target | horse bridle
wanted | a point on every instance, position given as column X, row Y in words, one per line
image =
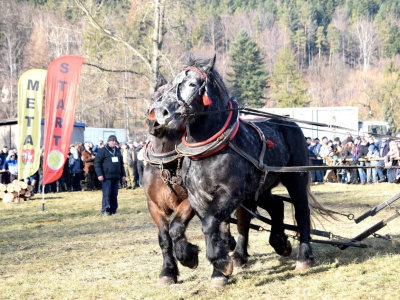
column 173, row 91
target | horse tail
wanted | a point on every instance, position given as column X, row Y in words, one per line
column 316, row 207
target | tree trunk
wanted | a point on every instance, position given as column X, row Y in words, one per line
column 159, row 9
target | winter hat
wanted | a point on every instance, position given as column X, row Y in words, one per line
column 112, row 138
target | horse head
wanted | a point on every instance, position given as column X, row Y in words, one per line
column 196, row 89
column 155, row 128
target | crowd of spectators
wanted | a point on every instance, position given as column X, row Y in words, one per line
column 361, row 152
column 372, row 157
column 78, row 171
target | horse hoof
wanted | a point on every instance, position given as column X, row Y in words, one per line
column 238, row 263
column 217, row 282
column 302, row 266
column 228, row 268
column 192, row 264
column 288, row 250
column 232, row 244
column 165, row 280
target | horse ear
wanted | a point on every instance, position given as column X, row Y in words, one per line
column 209, row 64
column 160, row 82
column 189, row 59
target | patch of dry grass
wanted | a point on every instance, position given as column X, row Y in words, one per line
column 72, row 252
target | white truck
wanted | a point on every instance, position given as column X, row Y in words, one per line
column 95, row 134
column 342, row 116
column 379, row 127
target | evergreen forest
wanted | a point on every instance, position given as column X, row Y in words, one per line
column 287, row 53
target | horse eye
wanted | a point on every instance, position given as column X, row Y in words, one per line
column 192, row 84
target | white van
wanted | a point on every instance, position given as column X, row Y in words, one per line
column 379, row 127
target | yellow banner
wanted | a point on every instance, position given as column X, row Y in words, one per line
column 30, row 103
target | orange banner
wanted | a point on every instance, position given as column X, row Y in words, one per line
column 63, row 76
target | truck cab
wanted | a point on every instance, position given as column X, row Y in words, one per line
column 373, row 127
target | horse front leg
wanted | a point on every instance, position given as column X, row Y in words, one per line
column 185, row 252
column 216, row 250
column 220, row 209
column 169, row 272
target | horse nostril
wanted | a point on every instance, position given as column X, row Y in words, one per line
column 165, row 113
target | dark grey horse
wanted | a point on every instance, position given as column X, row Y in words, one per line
column 218, row 176
column 165, row 196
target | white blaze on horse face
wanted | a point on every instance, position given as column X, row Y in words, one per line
column 190, row 86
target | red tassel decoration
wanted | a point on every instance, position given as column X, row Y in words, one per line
column 270, row 144
column 206, row 101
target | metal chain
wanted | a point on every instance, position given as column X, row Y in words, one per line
column 166, row 177
column 349, row 216
column 384, row 237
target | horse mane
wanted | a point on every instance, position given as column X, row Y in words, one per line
column 199, row 62
column 218, row 82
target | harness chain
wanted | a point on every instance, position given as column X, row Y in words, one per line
column 169, row 179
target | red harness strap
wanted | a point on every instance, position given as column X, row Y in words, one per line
column 220, row 147
column 268, row 143
column 214, row 137
column 196, row 70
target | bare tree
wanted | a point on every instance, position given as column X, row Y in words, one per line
column 340, row 20
column 149, row 57
column 15, row 33
column 367, row 36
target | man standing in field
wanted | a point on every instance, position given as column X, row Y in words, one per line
column 109, row 168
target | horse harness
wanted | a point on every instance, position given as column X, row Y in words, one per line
column 171, row 175
column 168, row 163
column 212, row 145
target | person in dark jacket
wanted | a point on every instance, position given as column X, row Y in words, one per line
column 109, row 168
column 65, row 179
column 76, row 166
column 363, row 151
column 88, row 158
column 3, row 156
column 351, row 158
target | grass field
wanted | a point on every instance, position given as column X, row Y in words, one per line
column 72, row 252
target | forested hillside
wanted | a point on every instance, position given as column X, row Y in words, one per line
column 287, row 53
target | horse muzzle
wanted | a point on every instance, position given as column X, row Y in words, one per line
column 165, row 117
